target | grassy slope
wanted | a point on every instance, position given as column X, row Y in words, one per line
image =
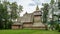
column 28, row 32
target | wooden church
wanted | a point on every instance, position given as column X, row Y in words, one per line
column 30, row 21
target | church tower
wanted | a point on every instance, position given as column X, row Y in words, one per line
column 38, row 19
column 37, row 15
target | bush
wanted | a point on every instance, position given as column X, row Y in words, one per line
column 57, row 26
column 59, row 29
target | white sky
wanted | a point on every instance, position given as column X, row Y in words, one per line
column 29, row 5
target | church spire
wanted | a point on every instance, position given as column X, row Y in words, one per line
column 37, row 8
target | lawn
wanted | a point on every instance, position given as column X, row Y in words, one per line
column 28, row 32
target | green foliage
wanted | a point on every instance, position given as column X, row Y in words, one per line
column 13, row 8
column 20, row 8
column 57, row 26
column 1, row 16
column 5, row 17
column 59, row 5
column 45, row 12
column 52, row 2
column 59, row 29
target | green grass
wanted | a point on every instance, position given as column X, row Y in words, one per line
column 28, row 32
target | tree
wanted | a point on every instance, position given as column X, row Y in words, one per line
column 52, row 11
column 58, row 22
column 52, row 2
column 13, row 8
column 45, row 12
column 20, row 9
column 59, row 4
column 5, row 14
column 1, row 15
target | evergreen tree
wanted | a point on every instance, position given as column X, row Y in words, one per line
column 45, row 12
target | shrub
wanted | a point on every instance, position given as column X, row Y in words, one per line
column 59, row 29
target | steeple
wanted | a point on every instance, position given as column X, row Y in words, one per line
column 37, row 8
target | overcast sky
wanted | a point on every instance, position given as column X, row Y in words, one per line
column 29, row 5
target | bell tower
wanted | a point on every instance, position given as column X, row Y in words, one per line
column 37, row 15
column 38, row 19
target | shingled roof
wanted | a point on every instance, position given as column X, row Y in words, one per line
column 27, row 18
